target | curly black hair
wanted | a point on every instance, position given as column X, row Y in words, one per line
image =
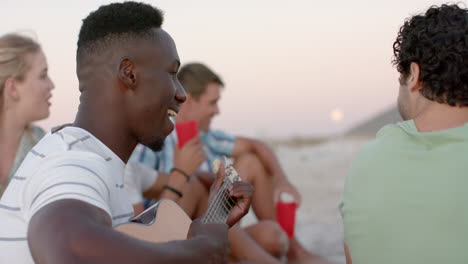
column 438, row 42
column 117, row 20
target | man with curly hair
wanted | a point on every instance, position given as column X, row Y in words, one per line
column 405, row 197
column 69, row 193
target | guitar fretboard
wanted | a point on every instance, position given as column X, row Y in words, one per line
column 218, row 210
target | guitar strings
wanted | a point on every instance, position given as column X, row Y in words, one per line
column 211, row 209
column 219, row 209
column 214, row 208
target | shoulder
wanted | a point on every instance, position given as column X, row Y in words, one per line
column 72, row 161
column 220, row 135
column 71, row 152
column 386, row 138
column 37, row 130
column 373, row 157
column 36, row 133
column 72, row 174
column 391, row 130
column 218, row 140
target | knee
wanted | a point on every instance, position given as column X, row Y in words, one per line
column 275, row 239
column 248, row 164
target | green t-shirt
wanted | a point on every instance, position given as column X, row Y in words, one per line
column 406, row 198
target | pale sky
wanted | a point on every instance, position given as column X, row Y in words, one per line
column 287, row 65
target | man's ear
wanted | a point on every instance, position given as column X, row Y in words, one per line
column 127, row 73
column 413, row 82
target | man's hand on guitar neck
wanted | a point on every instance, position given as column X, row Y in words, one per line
column 243, row 192
column 240, row 191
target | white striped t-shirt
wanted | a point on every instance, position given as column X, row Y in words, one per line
column 68, row 164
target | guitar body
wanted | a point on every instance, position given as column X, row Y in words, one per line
column 164, row 221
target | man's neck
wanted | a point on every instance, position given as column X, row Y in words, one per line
column 435, row 117
column 111, row 131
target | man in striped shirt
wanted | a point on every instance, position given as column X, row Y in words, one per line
column 68, row 193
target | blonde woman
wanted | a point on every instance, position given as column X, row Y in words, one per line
column 25, row 91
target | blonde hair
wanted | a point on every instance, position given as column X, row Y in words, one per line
column 13, row 49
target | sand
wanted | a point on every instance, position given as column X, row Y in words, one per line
column 319, row 173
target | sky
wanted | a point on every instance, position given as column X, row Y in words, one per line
column 291, row 68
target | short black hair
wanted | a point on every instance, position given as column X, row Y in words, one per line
column 438, row 42
column 117, row 21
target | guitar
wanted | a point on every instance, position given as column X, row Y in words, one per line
column 166, row 221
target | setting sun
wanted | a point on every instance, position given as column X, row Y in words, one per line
column 336, row 115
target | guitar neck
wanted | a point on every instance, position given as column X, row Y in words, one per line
column 218, row 210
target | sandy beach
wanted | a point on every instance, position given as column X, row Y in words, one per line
column 319, row 172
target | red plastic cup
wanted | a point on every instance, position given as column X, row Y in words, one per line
column 286, row 215
column 185, row 132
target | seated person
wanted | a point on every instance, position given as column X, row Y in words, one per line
column 71, row 191
column 143, row 182
column 189, row 188
column 24, row 98
column 255, row 162
column 405, row 198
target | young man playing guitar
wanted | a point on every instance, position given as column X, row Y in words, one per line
column 68, row 194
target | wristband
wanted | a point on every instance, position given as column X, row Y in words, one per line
column 167, row 187
column 187, row 177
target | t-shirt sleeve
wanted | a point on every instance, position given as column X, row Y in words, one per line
column 138, row 179
column 219, row 142
column 86, row 179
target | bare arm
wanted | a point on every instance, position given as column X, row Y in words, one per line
column 187, row 159
column 71, row 231
column 265, row 154
column 270, row 162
